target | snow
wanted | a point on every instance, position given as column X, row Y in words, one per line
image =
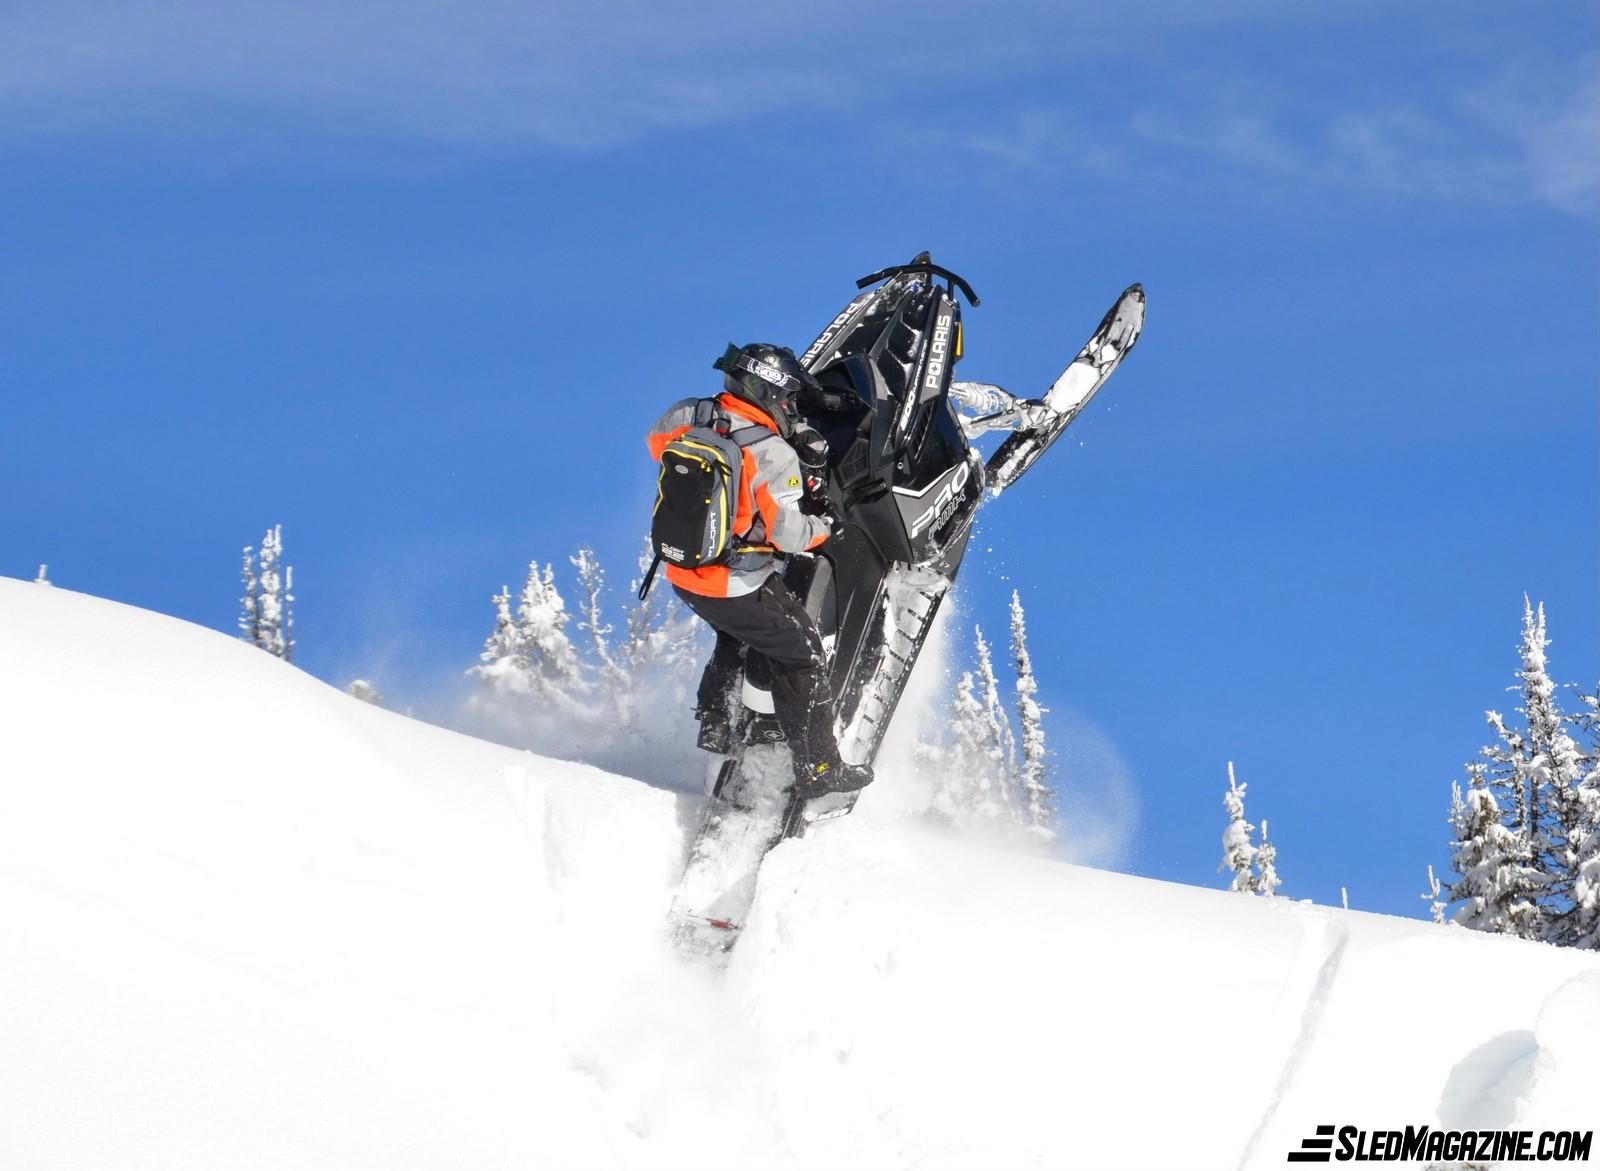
column 253, row 922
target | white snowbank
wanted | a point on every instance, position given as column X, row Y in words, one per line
column 252, row 922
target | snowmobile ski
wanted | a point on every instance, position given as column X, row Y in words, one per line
column 1117, row 334
column 742, row 820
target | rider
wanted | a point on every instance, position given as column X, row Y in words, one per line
column 745, row 601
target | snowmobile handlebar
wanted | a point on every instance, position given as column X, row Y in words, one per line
column 926, row 266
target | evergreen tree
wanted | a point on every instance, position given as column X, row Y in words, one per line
column 1238, row 852
column 288, row 613
column 965, row 793
column 1436, row 905
column 1034, row 779
column 250, row 602
column 614, row 693
column 1000, row 745
column 614, row 681
column 542, row 618
column 1584, row 840
column 1490, row 861
column 591, row 606
column 1267, row 881
column 529, row 654
column 504, row 665
column 363, row 690
column 269, row 603
column 659, row 632
column 1556, row 768
column 267, row 608
column 1534, row 773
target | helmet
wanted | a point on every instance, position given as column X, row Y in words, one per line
column 766, row 376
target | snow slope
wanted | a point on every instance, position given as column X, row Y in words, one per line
column 250, row 922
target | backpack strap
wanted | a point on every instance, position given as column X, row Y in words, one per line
column 708, row 412
column 649, row 577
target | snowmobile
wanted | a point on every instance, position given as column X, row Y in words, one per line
column 903, row 474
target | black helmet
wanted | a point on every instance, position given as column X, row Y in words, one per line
column 766, row 376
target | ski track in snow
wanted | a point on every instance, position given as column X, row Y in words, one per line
column 1316, row 968
column 359, row 943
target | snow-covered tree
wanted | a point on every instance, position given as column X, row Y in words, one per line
column 1000, row 745
column 287, row 635
column 363, row 690
column 658, row 632
column 1490, row 861
column 529, row 653
column 250, row 601
column 266, row 616
column 1436, row 905
column 616, row 693
column 271, row 604
column 591, row 605
column 542, row 617
column 1238, row 851
column 1532, row 775
column 1550, row 772
column 612, row 678
column 966, row 791
column 1583, row 930
column 1033, row 778
column 504, row 665
column 1267, row 881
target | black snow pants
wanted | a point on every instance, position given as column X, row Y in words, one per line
column 773, row 625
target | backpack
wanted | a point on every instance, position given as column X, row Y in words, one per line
column 697, row 494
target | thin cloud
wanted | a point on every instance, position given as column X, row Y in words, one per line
column 1525, row 137
column 506, row 75
column 486, row 75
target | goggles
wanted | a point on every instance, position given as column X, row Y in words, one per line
column 734, row 360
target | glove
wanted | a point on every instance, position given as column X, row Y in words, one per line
column 835, row 525
column 810, row 447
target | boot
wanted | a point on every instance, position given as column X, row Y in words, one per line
column 817, row 779
column 716, row 730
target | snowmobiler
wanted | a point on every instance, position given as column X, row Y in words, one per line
column 897, row 464
column 718, row 524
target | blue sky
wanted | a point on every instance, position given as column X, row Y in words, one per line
column 410, row 278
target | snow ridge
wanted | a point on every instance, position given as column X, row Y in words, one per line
column 362, row 942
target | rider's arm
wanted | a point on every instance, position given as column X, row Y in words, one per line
column 777, row 489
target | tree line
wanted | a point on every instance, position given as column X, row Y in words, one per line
column 572, row 677
column 1525, row 829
